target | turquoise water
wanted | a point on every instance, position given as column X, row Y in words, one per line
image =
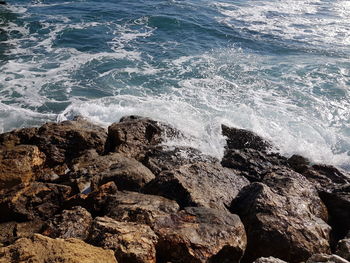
column 279, row 68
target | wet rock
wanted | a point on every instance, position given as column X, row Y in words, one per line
column 39, row 249
column 243, row 139
column 61, row 142
column 253, row 164
column 200, row 235
column 318, row 258
column 269, row 260
column 37, row 200
column 18, row 165
column 141, row 208
column 283, row 217
column 11, row 231
column 94, row 170
column 343, row 249
column 162, row 158
column 74, row 223
column 133, row 135
column 299, row 163
column 132, row 243
column 199, row 184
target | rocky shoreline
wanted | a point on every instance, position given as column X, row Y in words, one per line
column 75, row 192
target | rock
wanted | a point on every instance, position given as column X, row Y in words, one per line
column 37, row 200
column 162, row 158
column 269, row 260
column 11, row 231
column 18, row 165
column 40, row 249
column 132, row 243
column 199, row 184
column 74, row 223
column 133, row 135
column 283, row 217
column 299, row 163
column 94, row 170
column 343, row 248
column 61, row 142
column 140, row 208
column 253, row 164
column 199, row 234
column 318, row 258
column 242, row 139
column 16, row 137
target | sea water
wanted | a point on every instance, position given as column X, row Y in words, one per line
column 278, row 68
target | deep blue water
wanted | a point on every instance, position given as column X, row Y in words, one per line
column 279, row 68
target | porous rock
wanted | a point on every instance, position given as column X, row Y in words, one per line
column 283, row 217
column 40, row 249
column 73, row 223
column 91, row 170
column 133, row 135
column 36, row 200
column 318, row 258
column 132, row 243
column 18, row 165
column 18, row 136
column 199, row 184
column 343, row 248
column 199, row 234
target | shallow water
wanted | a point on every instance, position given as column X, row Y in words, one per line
column 279, row 68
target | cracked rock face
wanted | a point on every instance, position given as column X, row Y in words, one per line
column 199, row 234
column 283, row 217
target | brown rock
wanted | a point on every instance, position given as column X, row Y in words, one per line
column 284, row 218
column 41, row 249
column 61, row 142
column 198, row 235
column 74, row 223
column 37, row 200
column 133, row 135
column 94, row 170
column 343, row 249
column 318, row 258
column 132, row 243
column 242, row 139
column 141, row 208
column 16, row 137
column 269, row 260
column 200, row 184
column 18, row 164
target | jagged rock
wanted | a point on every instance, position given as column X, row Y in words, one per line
column 92, row 170
column 253, row 164
column 136, row 207
column 18, row 164
column 133, row 135
column 318, row 258
column 132, row 243
column 299, row 163
column 269, row 260
column 37, row 200
column 242, row 139
column 10, row 231
column 61, row 142
column 162, row 158
column 343, row 248
column 199, row 184
column 74, row 223
column 16, row 137
column 283, row 217
column 199, row 234
column 40, row 249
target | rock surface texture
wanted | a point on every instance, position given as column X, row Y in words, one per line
column 75, row 192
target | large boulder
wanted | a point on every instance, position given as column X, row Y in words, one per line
column 18, row 136
column 36, row 200
column 283, row 217
column 40, row 249
column 92, row 170
column 198, row 234
column 73, row 223
column 61, row 142
column 133, row 135
column 132, row 243
column 18, row 165
column 137, row 207
column 199, row 184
